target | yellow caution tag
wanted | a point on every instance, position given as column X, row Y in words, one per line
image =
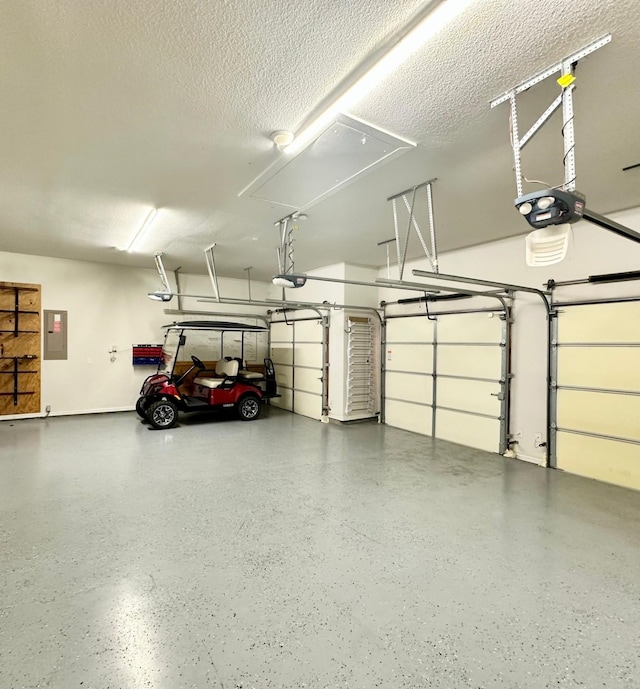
column 566, row 80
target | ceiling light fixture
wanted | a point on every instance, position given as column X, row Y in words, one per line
column 435, row 21
column 144, row 228
column 282, row 138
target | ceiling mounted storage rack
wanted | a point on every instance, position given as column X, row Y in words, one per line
column 561, row 205
column 411, row 207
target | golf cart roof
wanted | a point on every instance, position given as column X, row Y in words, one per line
column 214, row 325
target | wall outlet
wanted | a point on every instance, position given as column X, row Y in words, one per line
column 538, row 442
column 48, row 408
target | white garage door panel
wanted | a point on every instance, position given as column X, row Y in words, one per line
column 408, row 417
column 284, row 401
column 284, row 376
column 473, row 431
column 602, row 413
column 600, row 367
column 307, row 404
column 281, row 332
column 281, row 354
column 309, row 355
column 603, row 460
column 309, row 331
column 308, row 379
column 409, row 357
column 469, row 327
column 419, row 329
column 600, row 323
column 477, row 362
column 471, row 395
column 410, row 387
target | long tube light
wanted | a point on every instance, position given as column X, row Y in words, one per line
column 435, row 21
column 144, row 228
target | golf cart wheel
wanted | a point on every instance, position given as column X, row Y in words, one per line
column 162, row 414
column 141, row 406
column 249, row 408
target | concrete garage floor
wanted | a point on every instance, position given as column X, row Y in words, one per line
column 287, row 553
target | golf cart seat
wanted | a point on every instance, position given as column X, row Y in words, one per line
column 251, row 375
column 247, row 374
column 224, row 369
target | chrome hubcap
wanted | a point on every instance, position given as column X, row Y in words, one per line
column 163, row 415
column 250, row 408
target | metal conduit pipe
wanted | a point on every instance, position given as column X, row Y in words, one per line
column 550, row 314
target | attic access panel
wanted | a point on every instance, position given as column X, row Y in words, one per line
column 341, row 153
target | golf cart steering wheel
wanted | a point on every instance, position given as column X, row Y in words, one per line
column 197, row 363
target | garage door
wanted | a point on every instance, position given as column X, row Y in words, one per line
column 408, row 388
column 470, row 361
column 447, row 377
column 598, row 392
column 298, row 355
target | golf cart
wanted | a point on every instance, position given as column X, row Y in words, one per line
column 185, row 383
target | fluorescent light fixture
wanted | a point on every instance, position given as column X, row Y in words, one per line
column 435, row 21
column 160, row 296
column 144, row 228
column 290, row 280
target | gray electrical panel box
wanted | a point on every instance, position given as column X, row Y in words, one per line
column 55, row 335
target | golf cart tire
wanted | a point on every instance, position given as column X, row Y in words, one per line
column 162, row 414
column 141, row 406
column 248, row 407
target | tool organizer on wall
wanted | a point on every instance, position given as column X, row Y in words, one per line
column 19, row 348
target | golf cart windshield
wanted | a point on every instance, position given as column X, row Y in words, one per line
column 169, row 352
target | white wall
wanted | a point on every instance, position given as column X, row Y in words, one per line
column 107, row 306
column 593, row 250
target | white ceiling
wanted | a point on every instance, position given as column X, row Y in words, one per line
column 110, row 107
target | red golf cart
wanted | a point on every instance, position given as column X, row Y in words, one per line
column 190, row 385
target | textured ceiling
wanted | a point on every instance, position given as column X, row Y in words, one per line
column 111, row 107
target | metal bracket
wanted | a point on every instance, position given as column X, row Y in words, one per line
column 211, row 268
column 566, row 68
column 286, row 227
column 401, row 248
column 162, row 272
column 248, row 272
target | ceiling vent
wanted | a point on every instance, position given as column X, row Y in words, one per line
column 345, row 150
